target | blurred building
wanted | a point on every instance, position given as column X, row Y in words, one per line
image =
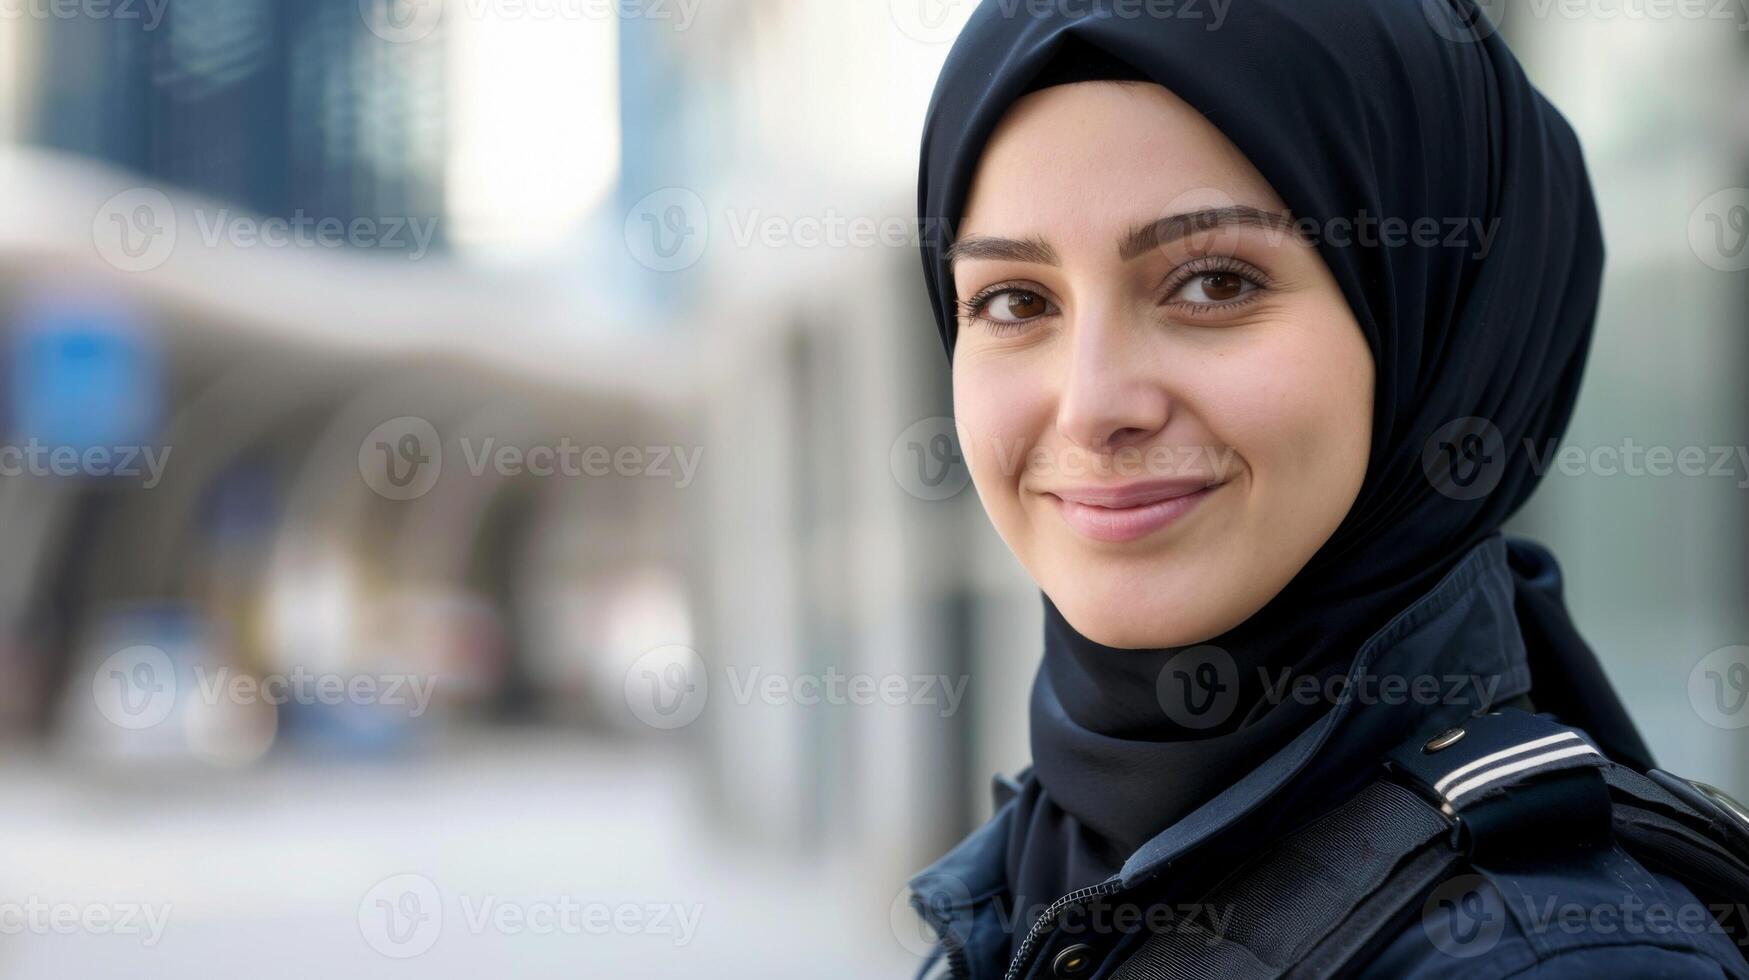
column 273, row 383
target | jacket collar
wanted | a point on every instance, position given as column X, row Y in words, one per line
column 1455, row 652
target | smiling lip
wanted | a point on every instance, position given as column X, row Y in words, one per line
column 1129, row 512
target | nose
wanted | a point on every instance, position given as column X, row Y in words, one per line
column 1114, row 391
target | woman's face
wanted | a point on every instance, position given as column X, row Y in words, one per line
column 1164, row 418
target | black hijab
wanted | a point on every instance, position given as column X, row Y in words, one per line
column 1353, row 110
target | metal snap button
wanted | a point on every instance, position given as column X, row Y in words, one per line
column 1444, row 739
column 1073, row 961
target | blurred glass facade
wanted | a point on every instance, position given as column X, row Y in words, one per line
column 469, row 488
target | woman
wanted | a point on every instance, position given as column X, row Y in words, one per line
column 1251, row 321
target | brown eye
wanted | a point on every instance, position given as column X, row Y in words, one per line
column 1008, row 309
column 1017, row 304
column 1215, row 287
column 1221, row 286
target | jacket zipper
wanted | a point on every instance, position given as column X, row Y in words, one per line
column 959, row 965
column 1047, row 920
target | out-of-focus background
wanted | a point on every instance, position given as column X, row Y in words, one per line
column 476, row 494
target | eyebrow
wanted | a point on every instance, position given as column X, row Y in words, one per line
column 1139, row 240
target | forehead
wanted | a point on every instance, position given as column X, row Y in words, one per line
column 1086, row 160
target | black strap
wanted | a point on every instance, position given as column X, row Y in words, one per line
column 1313, row 898
column 1508, row 784
column 1722, row 817
column 1327, row 895
column 1372, row 922
column 1685, row 837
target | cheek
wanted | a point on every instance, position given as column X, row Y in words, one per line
column 1298, row 408
column 1000, row 411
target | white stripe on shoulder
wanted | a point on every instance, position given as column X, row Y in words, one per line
column 1500, row 772
column 1506, row 753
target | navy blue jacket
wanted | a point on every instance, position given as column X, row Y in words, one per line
column 1453, row 654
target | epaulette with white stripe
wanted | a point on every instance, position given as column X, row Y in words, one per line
column 1489, row 755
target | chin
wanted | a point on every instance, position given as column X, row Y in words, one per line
column 1112, row 619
